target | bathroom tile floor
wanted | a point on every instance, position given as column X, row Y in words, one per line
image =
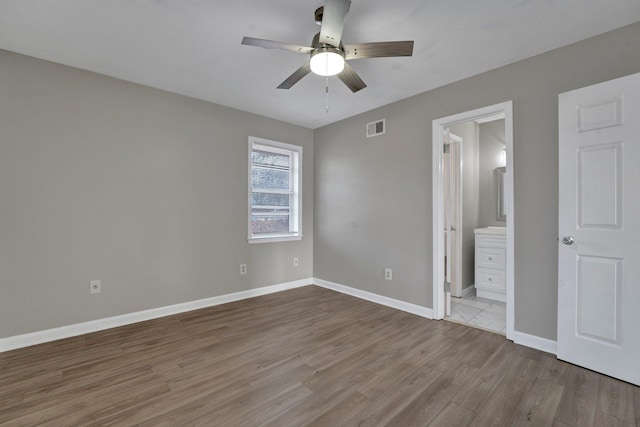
column 480, row 312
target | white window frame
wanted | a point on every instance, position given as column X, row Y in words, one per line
column 295, row 206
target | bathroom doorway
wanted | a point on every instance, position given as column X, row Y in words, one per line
column 473, row 218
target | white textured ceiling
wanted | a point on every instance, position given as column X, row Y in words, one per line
column 192, row 47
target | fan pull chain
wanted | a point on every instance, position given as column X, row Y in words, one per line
column 326, row 91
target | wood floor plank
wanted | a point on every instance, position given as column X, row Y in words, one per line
column 177, row 404
column 605, row 420
column 539, row 405
column 80, row 409
column 500, row 409
column 191, row 409
column 291, row 366
column 554, row 370
column 315, row 405
column 285, row 391
column 267, row 409
column 615, row 398
column 472, row 348
column 57, row 398
column 424, row 407
column 579, row 400
column 481, row 388
column 412, row 342
column 453, row 416
column 334, row 415
column 636, row 399
column 392, row 404
column 307, row 356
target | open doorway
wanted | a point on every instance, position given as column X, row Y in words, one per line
column 473, row 278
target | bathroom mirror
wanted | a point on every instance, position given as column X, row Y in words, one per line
column 501, row 211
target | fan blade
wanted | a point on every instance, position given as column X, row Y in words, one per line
column 270, row 44
column 333, row 17
column 295, row 77
column 350, row 78
column 378, row 50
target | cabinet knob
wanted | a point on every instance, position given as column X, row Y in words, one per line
column 490, row 279
column 490, row 259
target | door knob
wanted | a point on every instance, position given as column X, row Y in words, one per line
column 568, row 240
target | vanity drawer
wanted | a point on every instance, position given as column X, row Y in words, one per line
column 490, row 279
column 490, row 258
column 491, row 240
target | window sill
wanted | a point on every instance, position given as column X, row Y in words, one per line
column 271, row 239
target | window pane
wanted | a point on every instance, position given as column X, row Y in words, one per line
column 274, row 177
column 273, row 160
column 269, row 199
column 269, row 225
column 270, row 178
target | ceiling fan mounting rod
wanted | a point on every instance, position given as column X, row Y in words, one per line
column 318, row 15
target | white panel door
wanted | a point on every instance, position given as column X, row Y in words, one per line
column 599, row 228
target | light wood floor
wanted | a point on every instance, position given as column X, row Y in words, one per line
column 308, row 356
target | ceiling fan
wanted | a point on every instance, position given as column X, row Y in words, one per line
column 328, row 55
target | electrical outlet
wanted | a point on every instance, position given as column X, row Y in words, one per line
column 295, row 261
column 95, row 287
column 243, row 268
column 388, row 274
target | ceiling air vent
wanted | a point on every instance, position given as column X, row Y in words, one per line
column 376, row 128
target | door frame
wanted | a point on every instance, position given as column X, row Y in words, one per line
column 438, row 127
column 458, row 192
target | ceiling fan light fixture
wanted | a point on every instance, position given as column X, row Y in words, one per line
column 327, row 61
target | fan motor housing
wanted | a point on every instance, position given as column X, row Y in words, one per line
column 326, row 48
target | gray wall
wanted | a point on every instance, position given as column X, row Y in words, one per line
column 491, row 145
column 103, row 179
column 373, row 196
column 142, row 189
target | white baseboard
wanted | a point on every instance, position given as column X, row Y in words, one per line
column 497, row 296
column 26, row 340
column 536, row 342
column 378, row 299
column 521, row 338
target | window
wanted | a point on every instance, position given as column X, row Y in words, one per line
column 275, row 191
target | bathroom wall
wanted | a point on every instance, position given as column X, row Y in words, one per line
column 490, row 156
